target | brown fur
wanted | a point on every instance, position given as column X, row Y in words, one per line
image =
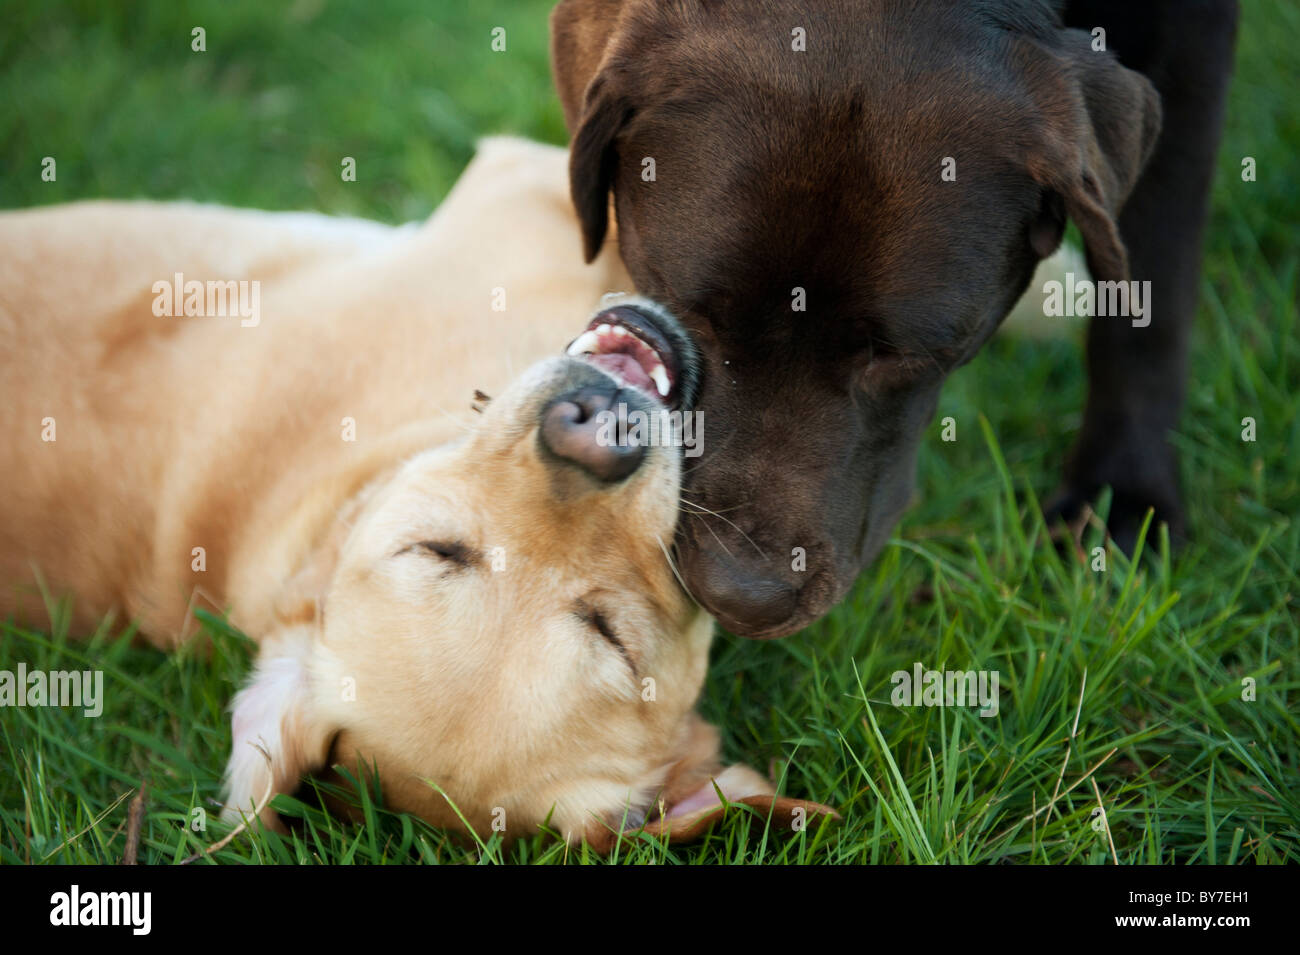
column 820, row 171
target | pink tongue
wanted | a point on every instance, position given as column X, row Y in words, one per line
column 626, row 367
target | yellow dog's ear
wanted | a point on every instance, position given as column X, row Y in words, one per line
column 276, row 735
column 689, row 803
column 696, row 813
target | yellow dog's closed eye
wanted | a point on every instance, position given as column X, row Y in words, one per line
column 454, row 551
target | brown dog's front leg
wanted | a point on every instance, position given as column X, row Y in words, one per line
column 1137, row 369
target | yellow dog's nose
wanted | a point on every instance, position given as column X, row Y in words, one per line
column 581, row 427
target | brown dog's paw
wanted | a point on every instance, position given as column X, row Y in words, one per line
column 1069, row 512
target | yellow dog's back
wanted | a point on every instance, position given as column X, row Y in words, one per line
column 133, row 434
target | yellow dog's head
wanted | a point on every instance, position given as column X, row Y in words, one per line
column 502, row 632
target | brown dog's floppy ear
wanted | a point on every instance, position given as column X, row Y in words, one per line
column 591, row 164
column 276, row 734
column 580, row 32
column 1103, row 123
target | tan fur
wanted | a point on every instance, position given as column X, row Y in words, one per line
column 182, row 432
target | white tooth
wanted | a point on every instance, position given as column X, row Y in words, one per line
column 586, row 342
column 660, row 378
column 620, row 330
column 602, row 329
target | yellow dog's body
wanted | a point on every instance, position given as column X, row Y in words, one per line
column 129, row 440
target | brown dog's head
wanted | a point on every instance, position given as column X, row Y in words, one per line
column 841, row 201
column 497, row 621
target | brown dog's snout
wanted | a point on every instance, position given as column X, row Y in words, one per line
column 581, row 427
column 746, row 600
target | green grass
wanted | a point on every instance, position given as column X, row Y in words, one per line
column 1187, row 770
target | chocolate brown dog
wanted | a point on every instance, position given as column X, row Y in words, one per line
column 842, row 200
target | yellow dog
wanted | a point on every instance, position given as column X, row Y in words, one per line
column 270, row 413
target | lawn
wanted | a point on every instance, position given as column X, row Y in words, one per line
column 1129, row 687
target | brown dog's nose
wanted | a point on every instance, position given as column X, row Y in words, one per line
column 745, row 600
column 581, row 427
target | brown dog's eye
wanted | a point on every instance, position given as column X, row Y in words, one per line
column 885, row 369
column 888, row 369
